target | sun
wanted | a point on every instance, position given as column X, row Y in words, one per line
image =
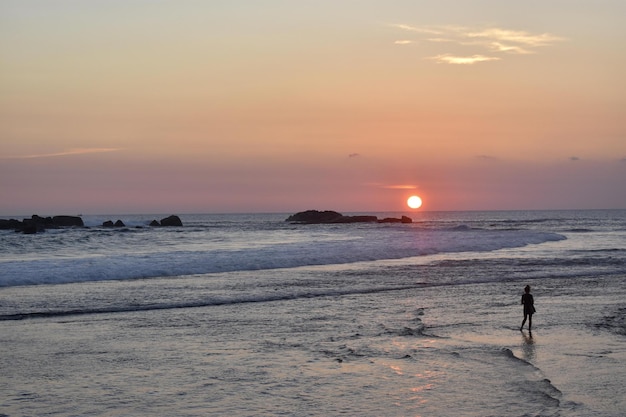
column 414, row 202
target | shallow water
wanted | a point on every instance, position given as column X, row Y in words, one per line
column 407, row 352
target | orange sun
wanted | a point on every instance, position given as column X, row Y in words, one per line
column 414, row 202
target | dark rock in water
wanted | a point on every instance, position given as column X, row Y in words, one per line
column 403, row 219
column 68, row 221
column 109, row 223
column 357, row 219
column 11, row 224
column 39, row 224
column 36, row 224
column 328, row 216
column 389, row 220
column 171, row 221
column 315, row 216
column 31, row 229
column 155, row 223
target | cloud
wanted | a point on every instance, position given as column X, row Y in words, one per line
column 403, row 42
column 423, row 29
column 574, row 158
column 74, row 151
column 516, row 37
column 353, row 155
column 492, row 39
column 399, row 187
column 500, row 47
column 463, row 60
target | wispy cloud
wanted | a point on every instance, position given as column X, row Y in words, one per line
column 399, row 187
column 481, row 40
column 403, row 42
column 515, row 37
column 463, row 60
column 67, row 152
column 419, row 29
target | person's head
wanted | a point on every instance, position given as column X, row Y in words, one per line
column 527, row 288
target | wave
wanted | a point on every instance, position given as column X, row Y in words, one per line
column 130, row 258
column 210, row 302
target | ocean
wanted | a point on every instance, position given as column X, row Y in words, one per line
column 250, row 315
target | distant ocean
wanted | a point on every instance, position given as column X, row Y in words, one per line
column 249, row 315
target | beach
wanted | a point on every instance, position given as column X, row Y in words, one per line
column 429, row 335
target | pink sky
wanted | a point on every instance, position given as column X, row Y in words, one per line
column 280, row 106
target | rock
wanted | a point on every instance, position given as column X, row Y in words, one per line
column 68, row 221
column 403, row 219
column 10, row 224
column 109, row 223
column 389, row 220
column 31, row 229
column 155, row 223
column 171, row 221
column 36, row 224
column 357, row 219
column 328, row 216
column 39, row 224
column 314, row 216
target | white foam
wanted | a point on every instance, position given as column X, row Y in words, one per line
column 96, row 254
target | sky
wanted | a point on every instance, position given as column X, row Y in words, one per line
column 137, row 106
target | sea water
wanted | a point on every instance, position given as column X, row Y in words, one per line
column 248, row 315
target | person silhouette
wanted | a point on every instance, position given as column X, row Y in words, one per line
column 529, row 308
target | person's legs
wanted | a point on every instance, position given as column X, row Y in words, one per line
column 524, row 321
column 530, row 321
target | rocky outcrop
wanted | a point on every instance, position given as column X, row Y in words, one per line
column 39, row 224
column 329, row 216
column 170, row 221
column 110, row 223
column 315, row 216
column 10, row 224
column 68, row 221
column 403, row 219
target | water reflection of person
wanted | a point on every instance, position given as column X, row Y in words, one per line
column 529, row 308
column 528, row 346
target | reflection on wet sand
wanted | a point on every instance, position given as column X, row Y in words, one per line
column 528, row 346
